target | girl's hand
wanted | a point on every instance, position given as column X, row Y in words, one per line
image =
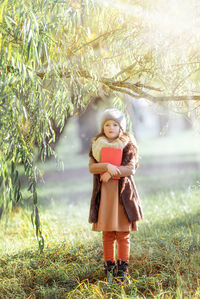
column 105, row 177
column 113, row 170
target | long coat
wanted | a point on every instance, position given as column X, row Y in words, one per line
column 127, row 191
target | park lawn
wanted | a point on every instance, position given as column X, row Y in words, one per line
column 165, row 251
column 164, row 263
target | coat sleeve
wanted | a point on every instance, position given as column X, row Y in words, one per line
column 97, row 168
column 129, row 163
column 127, row 170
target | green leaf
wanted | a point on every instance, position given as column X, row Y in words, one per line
column 11, row 20
column 8, row 23
column 47, row 54
column 35, row 197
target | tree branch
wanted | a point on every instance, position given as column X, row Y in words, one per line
column 130, row 67
column 103, row 35
column 124, row 91
column 177, row 98
column 133, row 90
column 148, row 87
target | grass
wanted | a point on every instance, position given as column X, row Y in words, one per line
column 165, row 252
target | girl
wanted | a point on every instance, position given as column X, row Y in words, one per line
column 115, row 206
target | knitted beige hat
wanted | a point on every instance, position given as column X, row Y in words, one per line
column 114, row 114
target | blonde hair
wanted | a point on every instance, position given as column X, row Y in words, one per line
column 122, row 136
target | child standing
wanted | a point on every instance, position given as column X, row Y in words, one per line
column 115, row 205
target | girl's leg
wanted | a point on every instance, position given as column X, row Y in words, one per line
column 123, row 242
column 108, row 245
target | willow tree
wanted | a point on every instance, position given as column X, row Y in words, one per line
column 56, row 55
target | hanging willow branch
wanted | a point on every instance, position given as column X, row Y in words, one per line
column 35, row 218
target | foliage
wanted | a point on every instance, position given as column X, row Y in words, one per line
column 39, row 87
column 56, row 55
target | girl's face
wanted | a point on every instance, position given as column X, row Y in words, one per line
column 111, row 129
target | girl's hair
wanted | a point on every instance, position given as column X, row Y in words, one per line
column 122, row 137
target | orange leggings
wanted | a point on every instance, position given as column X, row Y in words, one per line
column 123, row 242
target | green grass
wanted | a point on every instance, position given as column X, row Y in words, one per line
column 165, row 251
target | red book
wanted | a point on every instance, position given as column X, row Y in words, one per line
column 112, row 156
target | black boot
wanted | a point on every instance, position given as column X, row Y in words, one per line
column 109, row 268
column 122, row 270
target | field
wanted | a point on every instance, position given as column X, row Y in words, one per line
column 165, row 251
